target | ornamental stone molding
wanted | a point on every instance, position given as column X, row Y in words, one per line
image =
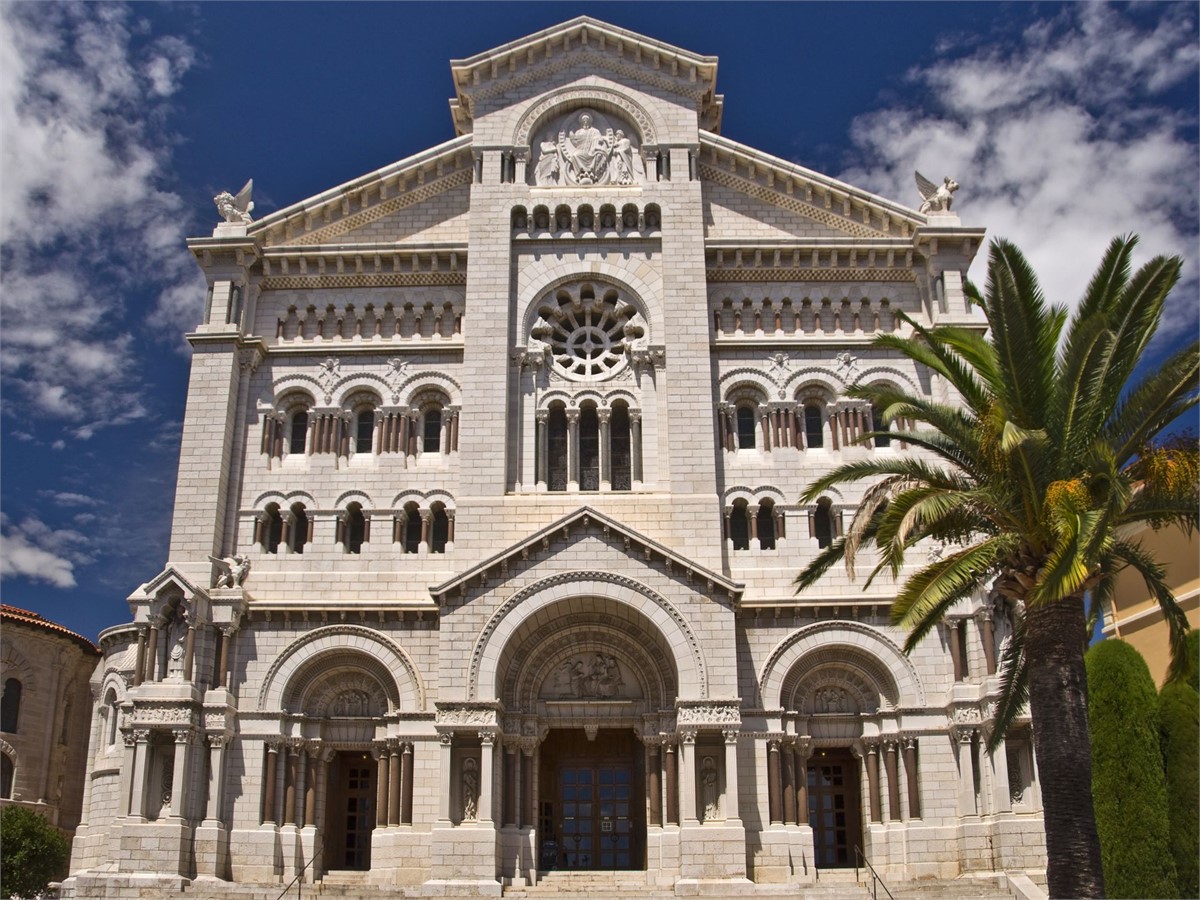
column 593, row 96
column 692, row 715
column 465, row 717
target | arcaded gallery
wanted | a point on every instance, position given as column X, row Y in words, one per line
column 488, row 513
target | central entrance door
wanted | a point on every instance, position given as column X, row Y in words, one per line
column 833, row 808
column 350, row 812
column 593, row 801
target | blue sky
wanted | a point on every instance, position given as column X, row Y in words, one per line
column 1065, row 125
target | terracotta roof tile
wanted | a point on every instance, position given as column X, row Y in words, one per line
column 26, row 617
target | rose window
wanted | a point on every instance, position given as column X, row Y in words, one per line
column 587, row 336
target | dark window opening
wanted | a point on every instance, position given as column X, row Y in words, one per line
column 556, row 423
column 299, row 433
column 622, row 458
column 364, row 431
column 739, row 526
column 10, row 705
column 6, row 777
column 433, row 431
column 877, row 424
column 412, row 529
column 273, row 529
column 823, row 525
column 745, row 427
column 814, row 435
column 299, row 528
column 356, row 528
column 440, row 530
column 589, row 449
column 766, row 527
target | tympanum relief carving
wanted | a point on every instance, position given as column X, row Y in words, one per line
column 596, row 676
column 586, row 148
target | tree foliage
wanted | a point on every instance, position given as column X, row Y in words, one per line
column 32, row 852
column 1129, row 788
column 1030, row 482
column 1179, row 721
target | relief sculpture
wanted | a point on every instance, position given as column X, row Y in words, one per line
column 581, row 153
column 597, row 677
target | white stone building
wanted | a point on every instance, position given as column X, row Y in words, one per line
column 511, row 436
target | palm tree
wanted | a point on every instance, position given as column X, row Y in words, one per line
column 1030, row 482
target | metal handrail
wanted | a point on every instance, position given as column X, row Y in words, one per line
column 876, row 881
column 299, row 879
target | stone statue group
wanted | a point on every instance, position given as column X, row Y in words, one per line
column 585, row 155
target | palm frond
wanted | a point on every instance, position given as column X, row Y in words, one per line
column 1014, row 682
column 1134, row 555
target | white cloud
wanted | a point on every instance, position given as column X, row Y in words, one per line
column 84, row 219
column 1061, row 141
column 33, row 550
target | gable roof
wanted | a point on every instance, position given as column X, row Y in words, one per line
column 588, row 518
column 608, row 46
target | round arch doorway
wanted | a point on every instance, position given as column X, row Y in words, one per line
column 592, row 811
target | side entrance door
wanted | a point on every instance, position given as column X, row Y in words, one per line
column 350, row 814
column 833, row 808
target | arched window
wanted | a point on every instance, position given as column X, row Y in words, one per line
column 298, row 431
column 432, row 430
column 878, row 424
column 10, row 705
column 271, row 526
column 298, row 536
column 814, row 433
column 766, row 525
column 364, row 430
column 653, row 216
column 823, row 529
column 6, row 777
column 439, row 529
column 541, row 218
column 745, row 427
column 113, row 714
column 622, row 457
column 354, row 528
column 556, row 424
column 739, row 525
column 589, row 449
column 412, row 528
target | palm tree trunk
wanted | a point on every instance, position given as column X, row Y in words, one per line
column 1062, row 743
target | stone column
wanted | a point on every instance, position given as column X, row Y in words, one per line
column 955, row 649
column 605, row 418
column 223, row 656
column 542, row 453
column 764, row 423
column 216, row 779
column 137, row 753
column 968, row 803
column 732, row 810
column 527, row 816
column 801, row 764
column 189, row 651
column 302, row 778
column 910, row 772
column 268, row 812
column 752, row 516
column 310, row 786
column 893, row 780
column 787, row 779
column 873, row 781
column 289, row 786
column 572, row 449
column 139, row 665
column 394, row 786
column 381, row 786
column 180, row 784
column 150, row 671
column 687, row 762
column 510, row 786
column 635, row 446
column 426, row 523
column 988, row 634
column 774, row 783
column 654, row 784
column 487, row 774
column 672, row 785
column 447, row 771
column 406, row 786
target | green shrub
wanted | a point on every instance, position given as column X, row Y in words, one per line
column 34, row 852
column 1179, row 715
column 1191, row 674
column 1129, row 788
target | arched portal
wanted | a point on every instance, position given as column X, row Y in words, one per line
column 594, row 677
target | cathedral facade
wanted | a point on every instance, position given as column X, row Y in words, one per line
column 488, row 514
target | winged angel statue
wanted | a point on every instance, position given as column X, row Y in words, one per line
column 236, row 209
column 233, row 570
column 937, row 196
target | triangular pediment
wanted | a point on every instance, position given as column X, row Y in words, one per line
column 600, row 47
column 420, row 198
column 748, row 194
column 570, row 527
column 169, row 577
